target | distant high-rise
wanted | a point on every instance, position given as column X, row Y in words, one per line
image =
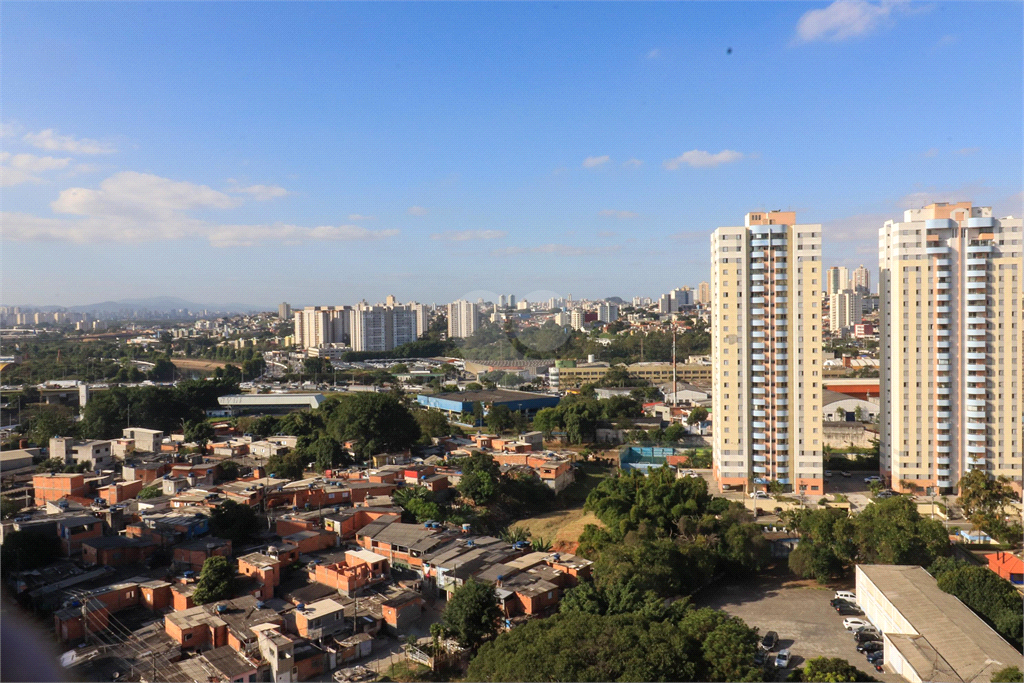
column 845, row 310
column 511, row 300
column 766, row 353
column 382, row 327
column 681, row 297
column 502, row 301
column 422, row 312
column 950, row 343
column 607, row 312
column 284, row 311
column 577, row 318
column 665, row 303
column 704, row 293
column 837, row 280
column 462, row 319
column 860, row 281
column 318, row 326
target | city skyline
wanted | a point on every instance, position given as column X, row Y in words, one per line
column 527, row 148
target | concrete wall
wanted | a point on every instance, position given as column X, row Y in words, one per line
column 845, row 434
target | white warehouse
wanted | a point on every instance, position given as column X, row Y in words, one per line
column 928, row 634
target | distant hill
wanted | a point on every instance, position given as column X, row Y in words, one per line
column 158, row 304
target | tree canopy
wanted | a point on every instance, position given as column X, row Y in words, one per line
column 231, row 520
column 377, row 422
column 992, row 597
column 832, row 670
column 215, row 581
column 472, row 614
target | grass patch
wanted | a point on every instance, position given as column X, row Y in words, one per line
column 407, row 670
column 561, row 527
column 588, row 476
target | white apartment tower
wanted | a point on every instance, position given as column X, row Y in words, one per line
column 382, row 327
column 607, row 312
column 766, row 353
column 845, row 310
column 318, row 326
column 462, row 319
column 838, row 279
column 951, row 346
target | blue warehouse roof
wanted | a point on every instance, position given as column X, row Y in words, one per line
column 462, row 401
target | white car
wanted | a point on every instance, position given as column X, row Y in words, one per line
column 868, row 480
column 759, row 494
column 782, row 660
column 849, row 596
column 853, row 623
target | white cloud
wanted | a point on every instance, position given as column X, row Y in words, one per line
column 931, row 153
column 417, row 211
column 9, row 130
column 612, row 213
column 467, row 235
column 633, row 163
column 556, row 249
column 595, row 162
column 654, row 54
column 359, row 217
column 16, row 169
column 844, row 19
column 139, row 207
column 49, row 139
column 262, row 192
column 698, row 158
column 968, row 151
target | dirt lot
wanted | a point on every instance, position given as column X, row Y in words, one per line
column 563, row 527
column 198, row 364
column 799, row 612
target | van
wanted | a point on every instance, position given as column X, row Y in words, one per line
column 846, row 595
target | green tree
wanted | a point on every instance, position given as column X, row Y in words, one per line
column 238, row 523
column 48, row 422
column 697, row 415
column 8, row 507
column 228, row 470
column 264, row 426
column 377, row 422
column 163, row 370
column 153, row 491
column 499, row 419
column 288, row 465
column 548, row 421
column 199, row 432
column 478, row 486
column 52, row 465
column 25, row 550
column 991, row 596
column 472, row 615
column 327, row 453
column 215, row 581
column 832, row 670
column 433, row 423
column 1010, row 674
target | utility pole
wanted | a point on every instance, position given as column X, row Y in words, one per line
column 674, row 390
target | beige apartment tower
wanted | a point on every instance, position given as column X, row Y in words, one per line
column 950, row 343
column 766, row 282
column 704, row 294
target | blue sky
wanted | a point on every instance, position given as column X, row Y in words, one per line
column 326, row 153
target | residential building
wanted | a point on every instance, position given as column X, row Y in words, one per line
column 665, row 304
column 837, row 280
column 422, row 313
column 607, row 312
column 844, row 310
column 681, row 297
column 704, row 293
column 766, row 353
column 53, row 487
column 860, row 281
column 146, row 440
column 322, row 325
column 284, row 311
column 382, row 327
column 577, row 318
column 950, row 325
column 462, row 319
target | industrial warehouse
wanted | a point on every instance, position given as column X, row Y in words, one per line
column 929, row 635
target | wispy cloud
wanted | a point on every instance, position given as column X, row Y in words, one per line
column 9, row 130
column 16, row 169
column 261, row 192
column 654, row 54
column 359, row 217
column 931, row 153
column 417, row 211
column 556, row 249
column 49, row 140
column 140, row 207
column 467, row 235
column 968, row 151
column 698, row 158
column 612, row 213
column 596, row 162
column 843, row 19
column 633, row 163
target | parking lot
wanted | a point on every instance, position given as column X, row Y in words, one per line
column 799, row 612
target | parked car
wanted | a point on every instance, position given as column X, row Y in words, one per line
column 782, row 660
column 855, row 623
column 758, row 495
column 867, row 629
column 880, row 665
column 876, row 656
column 866, row 637
column 844, row 473
column 868, row 480
column 836, row 602
column 849, row 596
column 869, row 646
column 849, row 611
column 887, row 493
column 770, row 640
column 759, row 656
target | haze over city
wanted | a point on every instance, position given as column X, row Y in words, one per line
column 255, row 153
